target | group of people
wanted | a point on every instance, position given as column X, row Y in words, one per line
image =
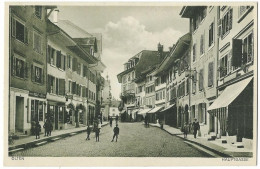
column 47, row 128
column 97, row 129
column 195, row 127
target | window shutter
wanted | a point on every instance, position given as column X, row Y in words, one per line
column 33, row 73
column 62, row 62
column 62, row 87
column 49, row 84
column 68, row 60
column 49, row 54
column 75, row 64
column 210, row 73
column 43, row 76
column 13, row 25
column 25, row 70
column 25, row 35
column 230, row 18
column 236, row 52
column 13, row 65
column 58, row 63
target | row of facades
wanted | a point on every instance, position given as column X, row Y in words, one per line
column 207, row 75
column 55, row 71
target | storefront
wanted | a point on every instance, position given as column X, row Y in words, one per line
column 233, row 110
column 56, row 114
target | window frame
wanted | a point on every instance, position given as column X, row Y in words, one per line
column 41, row 41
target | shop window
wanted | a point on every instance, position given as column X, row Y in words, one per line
column 61, row 113
column 36, row 107
column 38, row 11
column 37, row 42
column 19, row 30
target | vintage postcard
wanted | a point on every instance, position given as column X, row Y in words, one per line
column 130, row 84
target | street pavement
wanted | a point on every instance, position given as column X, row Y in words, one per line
column 134, row 140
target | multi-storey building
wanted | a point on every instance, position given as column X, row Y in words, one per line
column 233, row 109
column 27, row 80
column 134, row 70
column 177, row 83
column 204, row 59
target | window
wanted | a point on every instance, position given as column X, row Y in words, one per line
column 70, row 85
column 194, row 53
column 79, row 69
column 210, row 74
column 57, row 86
column 19, row 31
column 19, row 67
column 247, row 55
column 51, row 55
column 202, row 44
column 61, row 111
column 194, row 82
column 187, row 86
column 226, row 22
column 69, row 61
column 51, row 84
column 38, row 74
column 37, row 42
column 242, row 10
column 201, row 81
column 211, row 34
column 223, row 66
column 38, row 11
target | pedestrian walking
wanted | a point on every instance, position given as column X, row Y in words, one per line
column 97, row 131
column 46, row 128
column 185, row 130
column 37, row 130
column 50, row 128
column 88, row 132
column 116, row 133
column 110, row 121
column 196, row 127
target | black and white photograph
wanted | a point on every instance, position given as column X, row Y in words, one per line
column 149, row 82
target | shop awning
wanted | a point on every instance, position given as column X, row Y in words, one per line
column 144, row 111
column 156, row 109
column 167, row 108
column 229, row 94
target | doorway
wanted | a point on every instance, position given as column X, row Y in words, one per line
column 19, row 114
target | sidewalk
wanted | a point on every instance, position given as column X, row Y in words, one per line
column 30, row 141
column 224, row 150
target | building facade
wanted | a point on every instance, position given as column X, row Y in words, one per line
column 28, row 66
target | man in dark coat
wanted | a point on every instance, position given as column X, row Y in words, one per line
column 110, row 121
column 88, row 132
column 97, row 131
column 37, row 130
column 46, row 127
column 116, row 133
column 196, row 127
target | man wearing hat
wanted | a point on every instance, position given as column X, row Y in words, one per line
column 196, row 127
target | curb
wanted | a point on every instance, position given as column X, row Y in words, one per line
column 199, row 144
column 34, row 143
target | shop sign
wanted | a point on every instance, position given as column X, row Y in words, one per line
column 35, row 94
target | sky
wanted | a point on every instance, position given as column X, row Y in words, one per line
column 126, row 31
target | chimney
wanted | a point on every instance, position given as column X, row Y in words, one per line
column 55, row 16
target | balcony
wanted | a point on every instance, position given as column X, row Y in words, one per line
column 130, row 92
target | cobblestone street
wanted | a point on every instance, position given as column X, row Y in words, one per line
column 134, row 141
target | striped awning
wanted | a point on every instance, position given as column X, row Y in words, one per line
column 144, row 111
column 156, row 109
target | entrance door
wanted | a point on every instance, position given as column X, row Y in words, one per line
column 56, row 117
column 19, row 114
